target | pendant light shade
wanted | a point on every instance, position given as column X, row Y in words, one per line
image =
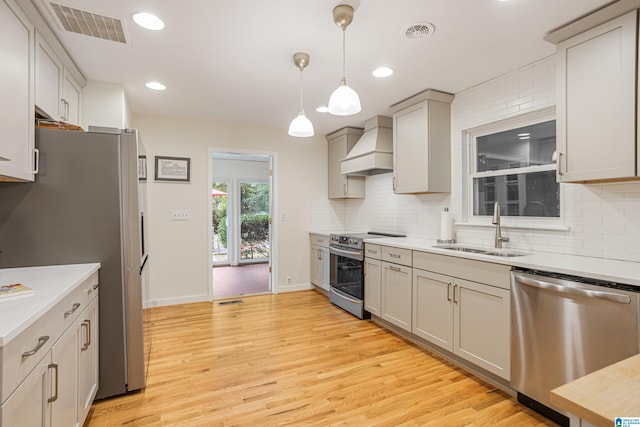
column 344, row 101
column 301, row 126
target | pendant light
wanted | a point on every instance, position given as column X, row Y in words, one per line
column 344, row 101
column 301, row 126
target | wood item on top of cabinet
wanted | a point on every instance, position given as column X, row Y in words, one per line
column 343, row 186
column 396, row 289
column 597, row 102
column 372, row 279
column 320, row 261
column 54, row 383
column 465, row 317
column 422, row 143
column 16, row 86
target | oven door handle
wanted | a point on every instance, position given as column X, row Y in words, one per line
column 348, row 254
column 344, row 296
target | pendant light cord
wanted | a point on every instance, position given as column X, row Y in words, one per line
column 301, row 109
column 344, row 56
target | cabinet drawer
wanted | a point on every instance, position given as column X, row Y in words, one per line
column 476, row 271
column 372, row 251
column 319, row 240
column 39, row 337
column 396, row 255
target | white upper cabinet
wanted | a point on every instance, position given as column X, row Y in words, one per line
column 422, row 143
column 343, row 186
column 49, row 71
column 16, row 87
column 57, row 92
column 597, row 102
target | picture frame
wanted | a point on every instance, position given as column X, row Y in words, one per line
column 142, row 168
column 172, row 169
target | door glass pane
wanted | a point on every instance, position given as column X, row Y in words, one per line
column 220, row 222
column 254, row 216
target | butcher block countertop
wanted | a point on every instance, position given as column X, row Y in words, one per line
column 603, row 395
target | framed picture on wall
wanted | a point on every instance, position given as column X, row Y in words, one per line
column 142, row 168
column 172, row 169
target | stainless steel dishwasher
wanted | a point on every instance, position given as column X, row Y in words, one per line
column 564, row 327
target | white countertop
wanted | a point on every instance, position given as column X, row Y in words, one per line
column 50, row 283
column 596, row 268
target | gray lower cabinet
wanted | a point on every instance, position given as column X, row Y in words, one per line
column 395, row 285
column 467, row 318
column 319, row 261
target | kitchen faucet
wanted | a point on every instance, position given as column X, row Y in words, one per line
column 496, row 221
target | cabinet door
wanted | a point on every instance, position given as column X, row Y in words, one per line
column 433, row 308
column 596, row 108
column 316, row 265
column 88, row 369
column 27, row 406
column 396, row 294
column 71, row 99
column 16, row 87
column 48, row 78
column 64, row 355
column 324, row 268
column 372, row 285
column 411, row 149
column 481, row 326
column 343, row 186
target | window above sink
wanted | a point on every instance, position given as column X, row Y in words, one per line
column 513, row 162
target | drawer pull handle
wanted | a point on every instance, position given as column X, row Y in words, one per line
column 394, row 255
column 87, row 343
column 41, row 341
column 395, row 268
column 371, row 251
column 55, row 396
column 73, row 310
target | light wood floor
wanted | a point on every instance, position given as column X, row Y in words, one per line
column 294, row 359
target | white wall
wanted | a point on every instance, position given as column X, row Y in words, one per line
column 604, row 219
column 104, row 104
column 179, row 258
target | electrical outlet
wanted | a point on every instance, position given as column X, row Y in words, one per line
column 283, row 216
column 288, row 280
column 180, row 215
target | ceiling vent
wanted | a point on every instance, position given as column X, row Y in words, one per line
column 89, row 24
column 419, row 31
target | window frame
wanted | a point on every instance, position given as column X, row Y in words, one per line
column 469, row 174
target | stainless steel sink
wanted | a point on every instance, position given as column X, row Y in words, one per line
column 483, row 251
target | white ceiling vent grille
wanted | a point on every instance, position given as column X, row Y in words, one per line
column 419, row 31
column 89, row 24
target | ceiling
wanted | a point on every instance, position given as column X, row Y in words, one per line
column 231, row 61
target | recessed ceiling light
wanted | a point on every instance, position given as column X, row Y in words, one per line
column 525, row 133
column 156, row 86
column 382, row 72
column 322, row 109
column 148, row 21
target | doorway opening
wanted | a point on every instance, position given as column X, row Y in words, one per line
column 241, row 232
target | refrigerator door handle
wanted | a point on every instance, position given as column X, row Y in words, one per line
column 144, row 262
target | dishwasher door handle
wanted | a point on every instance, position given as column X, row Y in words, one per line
column 579, row 292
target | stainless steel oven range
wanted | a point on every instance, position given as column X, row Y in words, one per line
column 346, row 276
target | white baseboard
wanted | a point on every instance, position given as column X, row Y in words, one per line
column 294, row 288
column 174, row 301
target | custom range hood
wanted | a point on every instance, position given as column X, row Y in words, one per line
column 373, row 153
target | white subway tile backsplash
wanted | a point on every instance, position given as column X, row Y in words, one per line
column 604, row 219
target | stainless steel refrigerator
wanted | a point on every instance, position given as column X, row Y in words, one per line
column 85, row 206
